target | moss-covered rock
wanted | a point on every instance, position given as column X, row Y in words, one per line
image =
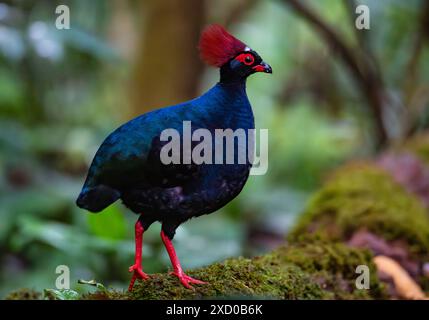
column 235, row 278
column 364, row 196
column 333, row 266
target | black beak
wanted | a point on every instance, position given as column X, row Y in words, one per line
column 263, row 67
column 267, row 67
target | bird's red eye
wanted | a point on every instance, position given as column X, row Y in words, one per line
column 245, row 58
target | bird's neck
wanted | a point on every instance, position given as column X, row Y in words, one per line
column 228, row 104
column 232, row 95
column 229, row 76
column 235, row 89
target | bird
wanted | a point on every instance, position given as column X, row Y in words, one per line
column 128, row 165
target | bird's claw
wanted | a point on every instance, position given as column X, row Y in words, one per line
column 186, row 280
column 138, row 272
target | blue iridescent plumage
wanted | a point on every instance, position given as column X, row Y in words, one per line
column 128, row 165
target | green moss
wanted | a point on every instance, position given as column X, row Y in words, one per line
column 363, row 196
column 310, row 271
column 333, row 265
column 235, row 278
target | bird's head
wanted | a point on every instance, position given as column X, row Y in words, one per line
column 235, row 59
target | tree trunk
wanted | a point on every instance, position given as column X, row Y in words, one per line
column 167, row 68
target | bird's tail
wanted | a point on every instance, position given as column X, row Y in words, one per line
column 97, row 198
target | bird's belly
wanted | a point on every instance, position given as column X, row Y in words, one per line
column 221, row 185
column 217, row 185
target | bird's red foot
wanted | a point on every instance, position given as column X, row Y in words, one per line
column 186, row 280
column 138, row 273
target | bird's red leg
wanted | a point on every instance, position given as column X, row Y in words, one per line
column 178, row 271
column 137, row 266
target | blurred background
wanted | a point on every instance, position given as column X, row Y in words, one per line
column 337, row 93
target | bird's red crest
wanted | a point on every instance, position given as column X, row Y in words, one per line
column 217, row 46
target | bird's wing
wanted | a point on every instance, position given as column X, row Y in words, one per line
column 129, row 156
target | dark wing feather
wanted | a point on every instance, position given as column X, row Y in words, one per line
column 129, row 159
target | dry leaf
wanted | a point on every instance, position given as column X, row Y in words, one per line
column 406, row 287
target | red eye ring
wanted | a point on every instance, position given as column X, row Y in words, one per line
column 246, row 58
